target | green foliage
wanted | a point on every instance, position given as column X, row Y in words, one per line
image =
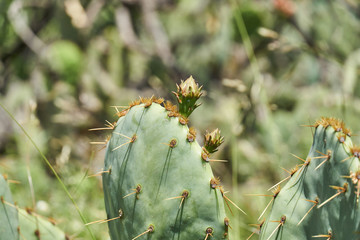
column 8, row 213
column 158, row 181
column 66, row 59
column 322, row 195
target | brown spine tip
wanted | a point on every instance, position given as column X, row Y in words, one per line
column 122, row 113
column 185, row 194
column 227, row 225
column 134, row 103
column 337, row 124
column 158, row 100
column 209, row 230
column 29, row 211
column 170, row 107
column 205, row 155
column 133, row 138
column 37, row 233
column 173, row 143
column 151, row 228
column 214, row 182
column 173, row 114
column 355, row 151
column 191, row 135
column 183, row 120
column 342, row 138
column 347, row 132
column 146, row 101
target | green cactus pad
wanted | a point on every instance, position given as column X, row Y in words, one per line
column 320, row 201
column 150, row 148
column 8, row 214
column 35, row 227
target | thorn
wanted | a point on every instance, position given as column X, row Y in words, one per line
column 258, row 228
column 328, row 236
column 250, row 235
column 281, row 223
column 99, row 173
column 327, row 156
column 149, row 230
column 191, row 135
column 136, row 190
column 340, row 190
column 305, row 164
column 106, row 220
column 355, row 178
column 276, row 191
column 299, row 158
column 100, row 129
column 209, row 231
column 116, row 107
column 109, row 124
column 184, row 195
column 13, row 181
column 346, row 158
column 355, row 152
column 285, row 179
column 311, row 126
column 227, row 224
column 171, row 144
column 98, row 143
column 122, row 135
column 291, row 173
column 228, row 199
column 316, row 202
column 206, row 157
column 215, row 183
column 216, row 160
column 7, row 203
column 130, row 141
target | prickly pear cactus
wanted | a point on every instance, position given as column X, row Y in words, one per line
column 35, row 227
column 8, row 214
column 158, row 183
column 321, row 198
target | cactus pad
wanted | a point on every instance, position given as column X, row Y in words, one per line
column 156, row 183
column 321, row 198
column 8, row 214
column 35, row 227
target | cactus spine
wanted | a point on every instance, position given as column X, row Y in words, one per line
column 157, row 178
column 321, row 198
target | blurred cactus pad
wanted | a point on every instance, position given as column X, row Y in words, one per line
column 321, row 197
column 8, row 214
column 158, row 182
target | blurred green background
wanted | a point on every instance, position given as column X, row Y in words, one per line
column 267, row 67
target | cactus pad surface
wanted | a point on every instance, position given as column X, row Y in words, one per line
column 8, row 213
column 321, row 199
column 156, row 183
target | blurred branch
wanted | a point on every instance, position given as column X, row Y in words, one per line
column 126, row 30
column 157, row 32
column 93, row 10
column 22, row 29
